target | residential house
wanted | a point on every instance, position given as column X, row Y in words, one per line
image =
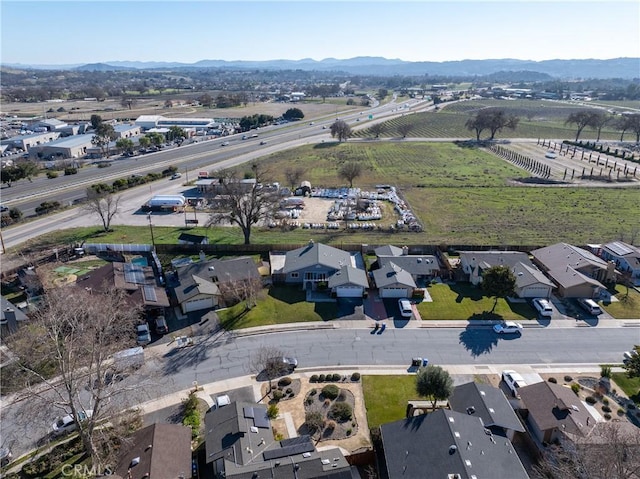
column 489, row 404
column 447, row 444
column 240, row 445
column 577, row 273
column 158, row 450
column 313, row 265
column 625, row 256
column 393, row 281
column 348, row 282
column 138, row 281
column 202, row 284
column 422, row 268
column 530, row 281
column 554, row 413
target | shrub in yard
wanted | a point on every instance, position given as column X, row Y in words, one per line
column 605, row 371
column 606, row 409
column 591, row 400
column 191, row 415
column 341, row 411
column 575, row 387
column 605, row 401
column 314, row 421
column 289, row 391
column 313, row 378
column 355, row 377
column 277, row 395
column 321, row 378
column 284, row 381
column 313, row 392
column 568, row 379
column 308, row 401
column 607, row 416
column 272, row 411
column 336, row 377
column 348, row 432
column 553, row 380
column 331, row 425
column 330, row 391
column 52, row 174
column 621, row 412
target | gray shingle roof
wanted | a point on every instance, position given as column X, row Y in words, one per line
column 448, row 442
column 316, row 254
column 391, row 274
column 489, row 403
column 349, row 275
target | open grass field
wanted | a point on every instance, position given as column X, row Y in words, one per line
column 386, row 397
column 538, row 119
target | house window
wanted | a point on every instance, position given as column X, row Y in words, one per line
column 294, row 275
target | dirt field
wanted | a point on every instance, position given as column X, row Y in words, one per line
column 111, row 109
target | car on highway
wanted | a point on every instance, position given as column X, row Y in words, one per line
column 175, row 176
column 143, row 335
column 514, row 382
column 543, row 306
column 67, row 424
column 406, row 311
column 3, row 209
column 550, row 154
column 508, row 327
column 224, row 143
column 263, row 142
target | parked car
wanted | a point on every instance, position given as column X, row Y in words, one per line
column 590, row 306
column 406, row 311
column 514, row 382
column 508, row 327
column 283, row 363
column 161, row 325
column 628, row 355
column 67, row 424
column 5, row 456
column 143, row 334
column 419, row 362
column 543, row 306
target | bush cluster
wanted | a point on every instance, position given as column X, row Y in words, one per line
column 568, row 379
column 284, row 381
column 341, row 412
column 330, row 391
column 553, row 380
column 332, row 377
column 191, row 415
column 591, row 400
column 575, row 387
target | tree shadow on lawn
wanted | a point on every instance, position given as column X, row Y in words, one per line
column 288, row 294
column 478, row 341
column 327, row 311
column 466, row 290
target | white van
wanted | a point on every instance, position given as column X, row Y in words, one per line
column 590, row 306
column 543, row 306
column 514, row 382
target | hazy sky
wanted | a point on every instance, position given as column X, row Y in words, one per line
column 72, row 32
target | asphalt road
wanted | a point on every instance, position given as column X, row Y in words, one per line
column 226, row 355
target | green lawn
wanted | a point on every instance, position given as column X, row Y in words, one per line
column 386, row 397
column 627, row 306
column 465, row 301
column 630, row 386
column 281, row 304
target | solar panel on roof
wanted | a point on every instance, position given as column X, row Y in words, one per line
column 248, row 411
column 150, row 293
column 619, row 248
column 133, row 274
column 260, row 418
column 288, row 451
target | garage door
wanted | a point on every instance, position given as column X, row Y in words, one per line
column 394, row 293
column 349, row 292
column 198, row 304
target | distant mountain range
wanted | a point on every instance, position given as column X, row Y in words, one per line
column 627, row 68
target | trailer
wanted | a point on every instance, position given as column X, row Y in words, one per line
column 165, row 202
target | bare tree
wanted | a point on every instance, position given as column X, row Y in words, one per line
column 377, row 129
column 267, row 361
column 103, row 204
column 293, row 176
column 598, row 120
column 245, row 203
column 241, row 290
column 404, row 129
column 65, row 361
column 341, row 129
column 611, row 451
column 128, row 102
column 581, row 119
column 350, row 171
